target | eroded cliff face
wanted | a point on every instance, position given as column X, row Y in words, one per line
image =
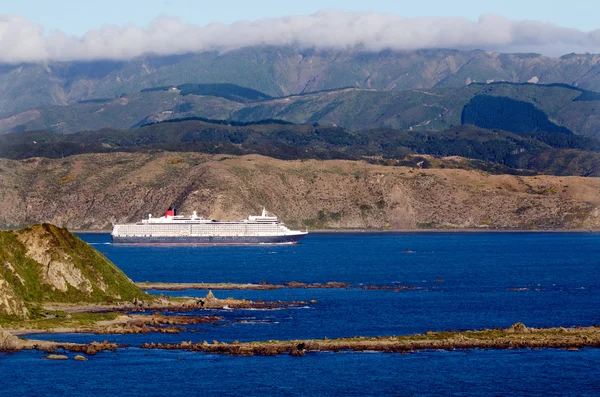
column 11, row 304
column 44, row 263
column 94, row 191
column 57, row 269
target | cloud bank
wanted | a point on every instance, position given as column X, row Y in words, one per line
column 23, row 41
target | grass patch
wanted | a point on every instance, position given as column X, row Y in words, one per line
column 57, row 319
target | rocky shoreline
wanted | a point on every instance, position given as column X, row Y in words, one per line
column 128, row 324
column 11, row 344
column 130, row 317
column 173, row 305
column 517, row 336
column 264, row 286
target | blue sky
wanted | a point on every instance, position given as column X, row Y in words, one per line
column 77, row 16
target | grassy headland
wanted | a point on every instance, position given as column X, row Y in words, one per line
column 44, row 263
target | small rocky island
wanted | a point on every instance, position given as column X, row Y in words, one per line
column 52, row 281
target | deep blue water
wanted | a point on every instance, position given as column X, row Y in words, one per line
column 462, row 280
column 159, row 373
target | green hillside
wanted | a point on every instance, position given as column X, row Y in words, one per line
column 232, row 92
column 507, row 114
column 290, row 141
column 44, row 263
column 556, row 107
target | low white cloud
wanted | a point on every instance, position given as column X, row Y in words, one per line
column 23, row 41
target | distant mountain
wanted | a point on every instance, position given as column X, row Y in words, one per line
column 282, row 71
column 520, row 108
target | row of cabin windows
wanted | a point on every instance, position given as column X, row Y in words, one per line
column 199, row 229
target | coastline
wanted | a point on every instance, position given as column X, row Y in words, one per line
column 435, row 231
column 518, row 336
column 402, row 231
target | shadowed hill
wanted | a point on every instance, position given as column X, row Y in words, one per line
column 232, row 92
column 44, row 263
column 578, row 155
column 509, row 115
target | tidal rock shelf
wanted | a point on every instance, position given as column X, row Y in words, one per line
column 264, row 286
column 516, row 337
column 10, row 344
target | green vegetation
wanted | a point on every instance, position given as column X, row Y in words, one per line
column 490, row 150
column 588, row 96
column 232, row 92
column 521, row 108
column 49, row 319
column 44, row 263
column 282, row 71
column 507, row 114
column 224, row 122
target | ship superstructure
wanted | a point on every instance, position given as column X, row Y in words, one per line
column 176, row 229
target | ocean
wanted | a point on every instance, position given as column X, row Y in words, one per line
column 457, row 281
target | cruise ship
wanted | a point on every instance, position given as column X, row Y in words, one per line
column 173, row 229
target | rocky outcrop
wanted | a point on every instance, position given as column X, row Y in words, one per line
column 8, row 342
column 44, row 263
column 11, row 303
column 57, row 271
column 93, row 191
column 56, row 357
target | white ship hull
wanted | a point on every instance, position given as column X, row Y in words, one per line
column 178, row 230
column 208, row 240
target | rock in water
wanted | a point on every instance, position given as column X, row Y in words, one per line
column 45, row 263
column 210, row 297
column 80, row 358
column 56, row 357
column 8, row 342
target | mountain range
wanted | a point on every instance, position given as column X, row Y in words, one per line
column 286, row 70
column 457, row 125
column 521, row 108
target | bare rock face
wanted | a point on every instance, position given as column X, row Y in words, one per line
column 8, row 342
column 59, row 271
column 210, row 297
column 10, row 302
